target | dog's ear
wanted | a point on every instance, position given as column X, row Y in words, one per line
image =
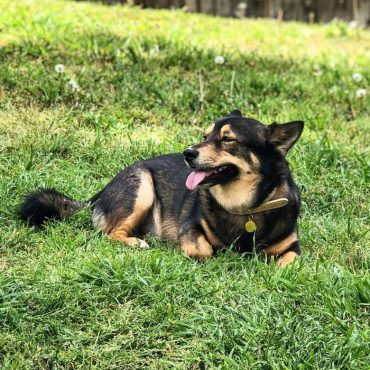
column 235, row 113
column 285, row 135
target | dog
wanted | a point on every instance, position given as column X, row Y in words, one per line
column 232, row 189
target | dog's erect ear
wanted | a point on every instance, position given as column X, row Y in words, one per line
column 235, row 113
column 285, row 135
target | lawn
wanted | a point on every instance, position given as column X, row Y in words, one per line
column 141, row 83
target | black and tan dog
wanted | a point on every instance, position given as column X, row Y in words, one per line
column 236, row 179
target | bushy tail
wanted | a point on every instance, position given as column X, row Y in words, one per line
column 44, row 204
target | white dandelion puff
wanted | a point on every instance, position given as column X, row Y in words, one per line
column 73, row 85
column 357, row 77
column 361, row 93
column 219, row 59
column 59, row 68
column 242, row 6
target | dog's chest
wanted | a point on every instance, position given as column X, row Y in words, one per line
column 231, row 229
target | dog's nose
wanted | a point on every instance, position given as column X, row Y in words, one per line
column 190, row 154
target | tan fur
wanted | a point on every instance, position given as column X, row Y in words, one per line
column 208, row 155
column 122, row 231
column 170, row 230
column 198, row 248
column 157, row 222
column 287, row 258
column 143, row 203
column 227, row 131
column 255, row 162
column 237, row 196
column 281, row 191
column 279, row 248
column 211, row 237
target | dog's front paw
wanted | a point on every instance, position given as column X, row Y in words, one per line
column 136, row 242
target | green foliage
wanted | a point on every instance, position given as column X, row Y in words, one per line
column 146, row 83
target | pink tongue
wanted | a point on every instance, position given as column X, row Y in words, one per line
column 195, row 178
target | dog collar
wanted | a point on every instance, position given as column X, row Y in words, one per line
column 250, row 225
column 271, row 204
column 267, row 206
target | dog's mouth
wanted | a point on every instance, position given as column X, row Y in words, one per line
column 211, row 176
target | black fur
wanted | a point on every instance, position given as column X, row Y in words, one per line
column 45, row 204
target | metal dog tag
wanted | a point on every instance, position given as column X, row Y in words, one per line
column 250, row 226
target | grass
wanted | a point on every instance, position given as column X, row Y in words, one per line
column 70, row 297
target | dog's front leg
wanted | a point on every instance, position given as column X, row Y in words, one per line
column 195, row 244
column 285, row 250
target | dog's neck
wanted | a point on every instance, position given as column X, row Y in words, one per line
column 237, row 198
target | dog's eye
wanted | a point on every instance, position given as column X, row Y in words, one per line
column 227, row 139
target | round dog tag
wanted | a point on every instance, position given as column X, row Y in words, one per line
column 250, row 226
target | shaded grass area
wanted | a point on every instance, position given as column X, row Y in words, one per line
column 148, row 84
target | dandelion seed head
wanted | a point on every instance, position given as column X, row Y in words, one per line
column 73, row 85
column 361, row 93
column 59, row 68
column 219, row 59
column 242, row 6
column 357, row 77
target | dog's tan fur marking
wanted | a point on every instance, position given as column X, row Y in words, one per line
column 282, row 191
column 209, row 129
column 208, row 154
column 170, row 230
column 122, row 231
column 197, row 247
column 227, row 131
column 255, row 161
column 279, row 192
column 144, row 201
column 157, row 222
column 279, row 248
column 211, row 237
column 238, row 195
column 287, row 258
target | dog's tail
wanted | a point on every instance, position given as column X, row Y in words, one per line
column 45, row 204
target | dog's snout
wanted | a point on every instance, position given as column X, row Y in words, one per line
column 190, row 154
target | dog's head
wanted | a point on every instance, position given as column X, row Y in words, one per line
column 235, row 146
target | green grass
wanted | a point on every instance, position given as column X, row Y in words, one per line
column 70, row 297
